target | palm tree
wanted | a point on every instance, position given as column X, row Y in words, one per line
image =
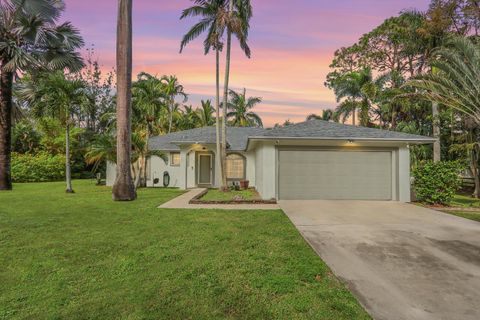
column 240, row 110
column 327, row 115
column 212, row 13
column 360, row 90
column 205, row 114
column 30, row 39
column 454, row 83
column 55, row 96
column 172, row 88
column 103, row 149
column 148, row 104
column 237, row 22
column 123, row 188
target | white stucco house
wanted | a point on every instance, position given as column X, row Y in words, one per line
column 311, row 160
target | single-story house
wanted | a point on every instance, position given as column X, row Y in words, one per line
column 310, row 160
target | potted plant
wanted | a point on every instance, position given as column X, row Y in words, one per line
column 244, row 184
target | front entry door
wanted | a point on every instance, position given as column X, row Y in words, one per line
column 205, row 169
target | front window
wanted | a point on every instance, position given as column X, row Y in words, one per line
column 235, row 167
column 175, row 159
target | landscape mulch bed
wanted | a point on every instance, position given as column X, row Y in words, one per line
column 198, row 200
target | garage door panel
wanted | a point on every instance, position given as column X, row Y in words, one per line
column 362, row 175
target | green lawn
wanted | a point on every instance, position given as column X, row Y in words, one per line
column 82, row 256
column 216, row 195
column 465, row 202
column 472, row 215
column 462, row 201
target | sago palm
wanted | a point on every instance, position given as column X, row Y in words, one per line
column 30, row 38
column 240, row 110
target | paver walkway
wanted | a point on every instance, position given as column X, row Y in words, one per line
column 182, row 202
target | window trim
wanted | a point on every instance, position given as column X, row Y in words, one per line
column 171, row 159
column 244, row 167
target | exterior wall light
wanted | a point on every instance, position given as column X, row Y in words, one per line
column 350, row 141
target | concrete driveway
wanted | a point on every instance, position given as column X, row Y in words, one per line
column 401, row 261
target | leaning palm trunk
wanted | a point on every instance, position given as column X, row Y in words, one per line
column 225, row 103
column 217, row 110
column 123, row 189
column 68, row 169
column 6, row 84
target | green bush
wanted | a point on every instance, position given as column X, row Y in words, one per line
column 437, row 183
column 38, row 167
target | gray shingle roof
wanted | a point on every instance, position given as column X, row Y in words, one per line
column 237, row 138
column 325, row 130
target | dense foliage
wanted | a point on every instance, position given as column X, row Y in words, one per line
column 39, row 167
column 437, row 182
column 417, row 73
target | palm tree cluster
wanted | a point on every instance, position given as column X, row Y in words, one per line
column 31, row 38
column 417, row 73
column 217, row 18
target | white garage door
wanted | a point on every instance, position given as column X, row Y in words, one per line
column 335, row 175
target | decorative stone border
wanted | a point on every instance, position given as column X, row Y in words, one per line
column 196, row 200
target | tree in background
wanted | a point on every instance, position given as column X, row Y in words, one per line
column 171, row 89
column 236, row 22
column 54, row 95
column 240, row 110
column 123, row 188
column 206, row 114
column 359, row 91
column 212, row 15
column 455, row 82
column 30, row 38
column 327, row 115
column 99, row 89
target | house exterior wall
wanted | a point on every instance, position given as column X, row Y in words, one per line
column 404, row 180
column 261, row 169
column 156, row 169
column 111, row 173
column 265, row 171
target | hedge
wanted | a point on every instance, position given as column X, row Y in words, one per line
column 437, row 183
column 40, row 167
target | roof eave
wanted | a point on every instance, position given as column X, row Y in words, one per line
column 408, row 140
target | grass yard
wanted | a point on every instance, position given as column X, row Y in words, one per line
column 82, row 256
column 465, row 202
column 472, row 215
column 216, row 195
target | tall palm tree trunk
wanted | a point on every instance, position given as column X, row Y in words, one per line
column 225, row 102
column 6, row 84
column 123, row 189
column 217, row 122
column 436, row 133
column 170, row 116
column 145, row 162
column 68, row 169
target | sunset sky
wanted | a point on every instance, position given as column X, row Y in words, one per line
column 292, row 45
